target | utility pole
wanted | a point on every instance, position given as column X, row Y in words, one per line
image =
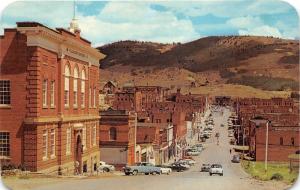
column 266, row 148
column 135, row 130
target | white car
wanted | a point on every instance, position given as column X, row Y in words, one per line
column 103, row 166
column 190, row 161
column 193, row 153
column 216, row 169
column 165, row 170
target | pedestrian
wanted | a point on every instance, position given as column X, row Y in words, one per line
column 230, row 151
column 77, row 167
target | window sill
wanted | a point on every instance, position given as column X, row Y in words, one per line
column 52, row 107
column 45, row 107
column 5, row 106
column 45, row 158
column 52, row 156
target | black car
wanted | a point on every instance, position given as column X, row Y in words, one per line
column 205, row 167
column 178, row 167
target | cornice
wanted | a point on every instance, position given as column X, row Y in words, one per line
column 62, row 45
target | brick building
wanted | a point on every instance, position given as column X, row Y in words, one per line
column 283, row 114
column 117, row 137
column 49, row 93
column 282, row 140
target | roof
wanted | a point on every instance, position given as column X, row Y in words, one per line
column 58, row 30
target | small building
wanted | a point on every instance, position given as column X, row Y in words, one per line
column 117, row 137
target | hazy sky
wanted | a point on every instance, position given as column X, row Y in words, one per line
column 169, row 21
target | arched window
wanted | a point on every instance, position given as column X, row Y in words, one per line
column 75, row 87
column 281, row 141
column 112, row 134
column 82, row 88
column 67, row 86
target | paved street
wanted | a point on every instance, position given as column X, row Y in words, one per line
column 234, row 177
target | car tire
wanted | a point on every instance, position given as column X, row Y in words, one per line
column 106, row 169
column 158, row 173
column 146, row 173
column 221, row 174
column 127, row 173
column 168, row 173
column 135, row 172
column 210, row 174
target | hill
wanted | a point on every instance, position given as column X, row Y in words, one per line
column 246, row 60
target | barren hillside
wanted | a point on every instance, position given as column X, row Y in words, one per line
column 264, row 63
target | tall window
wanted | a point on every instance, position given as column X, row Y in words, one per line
column 68, row 148
column 90, row 97
column 52, row 93
column 45, row 144
column 281, row 141
column 82, row 88
column 75, row 87
column 84, row 138
column 52, row 143
column 67, row 86
column 94, row 97
column 4, row 92
column 94, row 135
column 112, row 134
column 44, row 88
column 4, row 144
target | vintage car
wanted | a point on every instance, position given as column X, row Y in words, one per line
column 103, row 166
column 142, row 167
column 205, row 167
column 165, row 169
column 178, row 167
column 216, row 169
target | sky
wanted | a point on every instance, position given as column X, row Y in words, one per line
column 103, row 22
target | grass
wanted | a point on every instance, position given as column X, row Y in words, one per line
column 257, row 170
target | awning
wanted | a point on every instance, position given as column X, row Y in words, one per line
column 241, row 147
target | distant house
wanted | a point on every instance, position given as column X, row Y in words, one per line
column 110, row 87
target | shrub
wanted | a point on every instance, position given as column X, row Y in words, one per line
column 277, row 177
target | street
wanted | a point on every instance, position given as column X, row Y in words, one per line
column 234, row 177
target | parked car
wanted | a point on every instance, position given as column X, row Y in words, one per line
column 164, row 169
column 142, row 167
column 197, row 148
column 188, row 161
column 205, row 167
column 193, row 152
column 222, row 125
column 103, row 166
column 235, row 159
column 216, row 169
column 178, row 167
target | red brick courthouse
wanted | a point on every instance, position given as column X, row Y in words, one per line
column 49, row 93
